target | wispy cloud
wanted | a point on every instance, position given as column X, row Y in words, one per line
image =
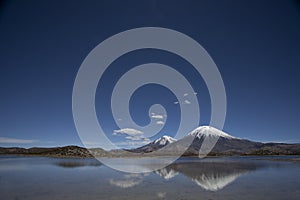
column 157, row 116
column 160, row 122
column 187, row 101
column 132, row 144
column 6, row 140
column 133, row 137
column 184, row 102
column 128, row 131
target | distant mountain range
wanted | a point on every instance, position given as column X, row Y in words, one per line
column 66, row 151
column 225, row 144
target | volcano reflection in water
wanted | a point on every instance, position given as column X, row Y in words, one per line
column 210, row 176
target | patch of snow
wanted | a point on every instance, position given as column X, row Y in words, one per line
column 209, row 131
column 165, row 140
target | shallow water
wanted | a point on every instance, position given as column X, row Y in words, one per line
column 188, row 178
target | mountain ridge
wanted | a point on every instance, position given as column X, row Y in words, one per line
column 223, row 144
column 191, row 145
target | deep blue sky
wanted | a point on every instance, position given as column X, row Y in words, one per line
column 255, row 44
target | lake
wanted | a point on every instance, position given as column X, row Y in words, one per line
column 187, row 178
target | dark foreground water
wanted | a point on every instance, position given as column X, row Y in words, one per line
column 188, row 178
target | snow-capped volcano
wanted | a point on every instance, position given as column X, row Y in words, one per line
column 164, row 140
column 209, row 140
column 208, row 131
column 156, row 144
column 221, row 142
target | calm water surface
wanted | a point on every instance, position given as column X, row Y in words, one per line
column 188, row 178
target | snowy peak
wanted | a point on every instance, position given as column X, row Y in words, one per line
column 155, row 145
column 209, row 131
column 164, row 140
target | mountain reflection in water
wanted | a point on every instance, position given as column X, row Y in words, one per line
column 211, row 176
column 220, row 178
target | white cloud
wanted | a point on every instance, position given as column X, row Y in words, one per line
column 137, row 138
column 7, row 140
column 195, row 93
column 128, row 131
column 160, row 122
column 134, row 138
column 187, row 101
column 132, row 144
column 157, row 116
column 137, row 143
column 185, row 94
column 120, row 119
column 176, row 102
